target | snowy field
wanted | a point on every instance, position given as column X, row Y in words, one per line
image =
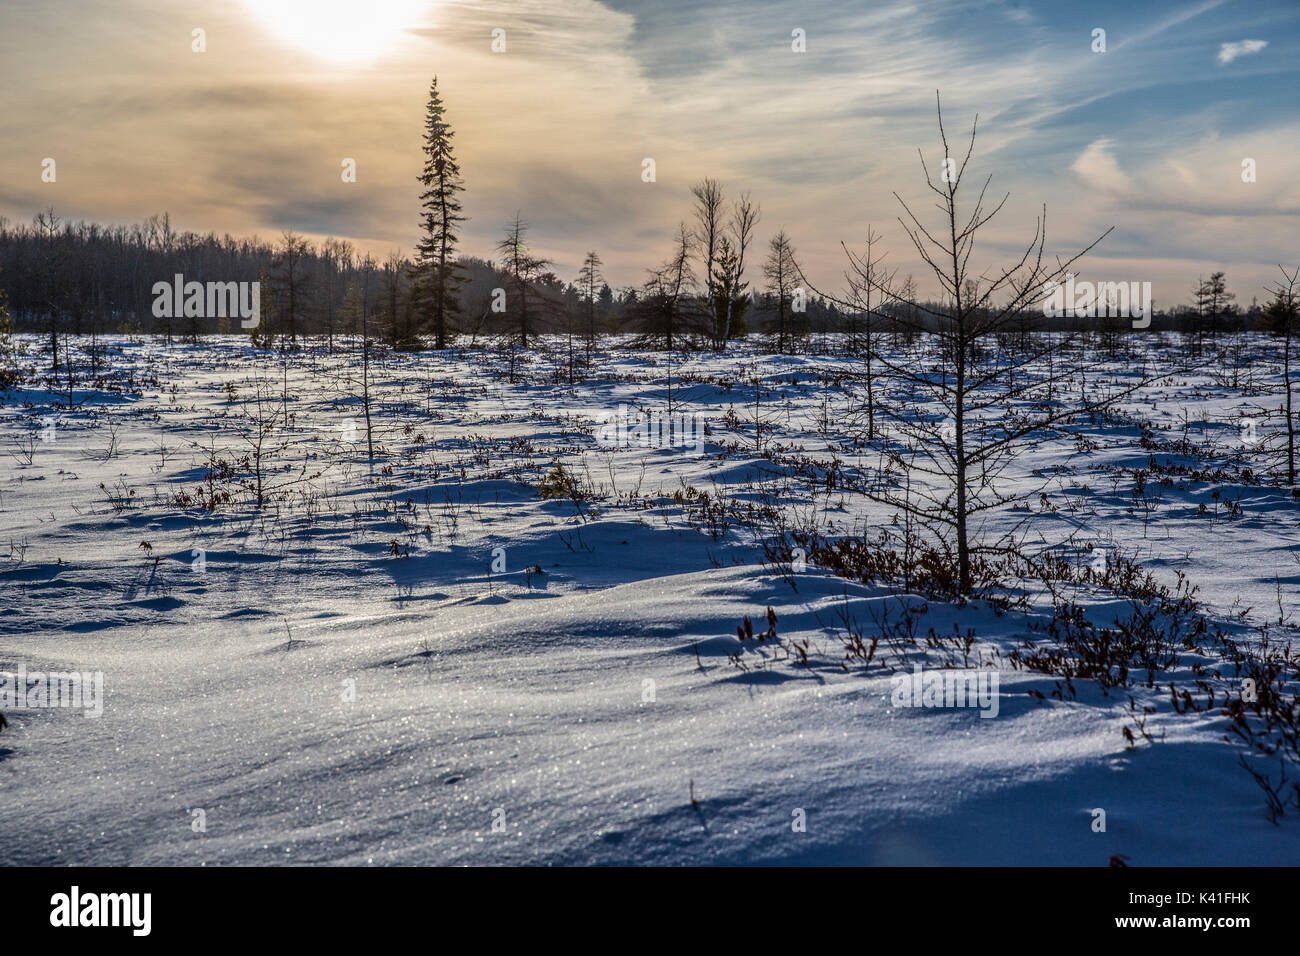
column 424, row 660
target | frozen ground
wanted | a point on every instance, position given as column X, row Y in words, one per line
column 344, row 676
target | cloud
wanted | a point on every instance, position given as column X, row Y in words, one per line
column 1168, row 23
column 1099, row 170
column 1230, row 51
column 1197, row 178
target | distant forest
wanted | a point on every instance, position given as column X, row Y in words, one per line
column 86, row 279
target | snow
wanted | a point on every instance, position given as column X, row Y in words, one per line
column 323, row 700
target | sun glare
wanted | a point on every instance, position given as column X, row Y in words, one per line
column 338, row 30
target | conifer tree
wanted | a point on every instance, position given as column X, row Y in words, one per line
column 589, row 281
column 437, row 277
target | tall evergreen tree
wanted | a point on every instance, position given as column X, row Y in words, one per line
column 729, row 289
column 589, row 281
column 1212, row 299
column 437, row 276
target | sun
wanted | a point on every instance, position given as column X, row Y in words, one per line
column 345, row 31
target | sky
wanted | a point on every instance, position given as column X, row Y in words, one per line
column 248, row 136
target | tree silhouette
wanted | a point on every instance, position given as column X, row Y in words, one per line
column 437, row 277
column 523, row 269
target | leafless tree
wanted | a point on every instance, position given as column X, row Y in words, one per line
column 709, row 230
column 589, row 280
column 744, row 217
column 291, row 280
column 782, row 272
column 522, row 269
column 336, row 258
column 1281, row 318
column 357, row 312
column 662, row 309
column 865, row 276
column 953, row 463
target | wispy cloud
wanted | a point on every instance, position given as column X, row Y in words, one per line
column 1168, row 23
column 1230, row 51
